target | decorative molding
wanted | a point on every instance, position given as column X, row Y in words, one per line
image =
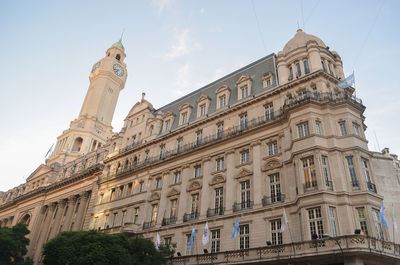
column 173, row 192
column 271, row 164
column 243, row 173
column 154, row 197
column 194, row 185
column 218, row 179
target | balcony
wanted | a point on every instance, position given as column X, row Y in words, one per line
column 148, row 225
column 266, row 201
column 329, row 185
column 241, row 206
column 168, row 221
column 321, row 251
column 371, row 186
column 215, row 212
column 191, row 216
column 310, row 186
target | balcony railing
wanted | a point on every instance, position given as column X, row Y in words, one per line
column 148, row 225
column 329, row 185
column 215, row 212
column 241, row 206
column 168, row 221
column 310, row 186
column 371, row 186
column 273, row 199
column 191, row 216
column 314, row 251
column 233, row 131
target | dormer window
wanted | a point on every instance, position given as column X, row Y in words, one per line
column 222, row 101
column 185, row 111
column 184, row 117
column 223, row 93
column 168, row 121
column 203, row 110
column 244, row 87
column 267, row 79
column 118, row 57
column 167, row 125
column 202, row 106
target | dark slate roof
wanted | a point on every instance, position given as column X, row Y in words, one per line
column 254, row 70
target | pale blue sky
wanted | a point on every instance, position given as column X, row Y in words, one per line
column 174, row 47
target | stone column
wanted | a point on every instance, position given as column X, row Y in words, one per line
column 206, row 194
column 258, row 182
column 81, row 211
column 184, row 197
column 71, row 205
column 57, row 220
column 44, row 232
column 230, row 189
column 36, row 231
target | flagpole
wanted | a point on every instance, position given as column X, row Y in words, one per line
column 394, row 239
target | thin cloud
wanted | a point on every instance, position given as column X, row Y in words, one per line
column 183, row 45
column 162, row 4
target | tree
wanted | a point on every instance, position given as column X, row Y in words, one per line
column 13, row 245
column 95, row 248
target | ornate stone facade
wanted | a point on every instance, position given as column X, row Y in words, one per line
column 276, row 137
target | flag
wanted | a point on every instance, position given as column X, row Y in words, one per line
column 394, row 221
column 48, row 152
column 382, row 216
column 284, row 224
column 347, row 82
column 206, row 235
column 236, row 228
column 192, row 237
column 158, row 241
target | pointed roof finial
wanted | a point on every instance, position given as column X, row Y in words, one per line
column 118, row 44
column 122, row 34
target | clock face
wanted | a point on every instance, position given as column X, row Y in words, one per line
column 97, row 65
column 118, row 70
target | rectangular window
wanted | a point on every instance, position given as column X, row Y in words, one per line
column 315, row 222
column 114, row 219
column 222, row 101
column 303, row 129
column 363, row 220
column 356, row 129
column 199, row 136
column 120, row 191
column 243, row 121
column 179, row 145
column 332, row 221
column 129, row 190
column 219, row 201
column 220, row 129
column 310, row 177
column 269, row 111
column 203, row 110
column 276, row 234
column 162, row 151
column 136, row 215
column 174, row 207
column 123, row 218
column 167, row 125
column 244, row 240
column 195, row 206
column 154, row 212
column 268, row 82
column 220, row 163
column 275, row 188
column 177, row 177
column 352, row 171
column 290, row 73
column 141, row 184
column 215, row 241
column 318, row 127
column 306, row 68
column 343, row 129
column 325, row 171
column 366, row 170
column 298, row 73
column 245, row 194
column 197, row 171
column 330, row 68
column 112, row 197
column 184, row 117
column 273, row 148
column 323, row 66
column 167, row 241
column 378, row 224
column 188, row 248
column 158, row 183
column 244, row 91
column 244, row 157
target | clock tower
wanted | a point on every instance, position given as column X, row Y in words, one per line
column 93, row 126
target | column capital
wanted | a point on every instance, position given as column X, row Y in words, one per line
column 62, row 201
column 72, row 199
column 85, row 194
column 53, row 205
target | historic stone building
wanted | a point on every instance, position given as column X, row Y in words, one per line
column 276, row 137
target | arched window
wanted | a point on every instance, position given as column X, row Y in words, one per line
column 25, row 220
column 77, row 144
column 118, row 57
column 151, row 130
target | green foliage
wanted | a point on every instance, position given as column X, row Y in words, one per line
column 95, row 248
column 13, row 245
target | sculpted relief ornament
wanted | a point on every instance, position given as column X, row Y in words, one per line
column 271, row 164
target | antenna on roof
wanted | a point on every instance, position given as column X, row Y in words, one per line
column 298, row 27
column 122, row 34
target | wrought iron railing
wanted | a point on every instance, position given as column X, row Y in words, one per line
column 278, row 198
column 329, row 184
column 191, row 216
column 148, row 225
column 168, row 221
column 215, row 212
column 310, row 186
column 371, row 186
column 241, row 206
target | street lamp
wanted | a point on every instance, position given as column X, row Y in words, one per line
column 326, row 236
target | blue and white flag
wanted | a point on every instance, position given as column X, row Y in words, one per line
column 285, row 222
column 382, row 216
column 348, row 81
column 192, row 237
column 206, row 235
column 158, row 241
column 48, row 152
column 236, row 228
column 394, row 221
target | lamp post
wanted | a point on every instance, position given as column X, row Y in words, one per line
column 326, row 236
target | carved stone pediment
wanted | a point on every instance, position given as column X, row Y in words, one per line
column 173, row 192
column 243, row 79
column 154, row 196
column 194, row 185
column 271, row 164
column 244, row 173
column 217, row 180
